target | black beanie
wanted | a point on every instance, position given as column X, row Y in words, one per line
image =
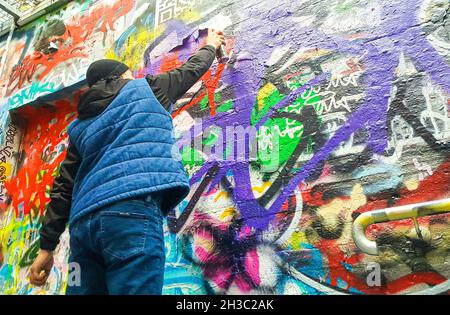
column 101, row 69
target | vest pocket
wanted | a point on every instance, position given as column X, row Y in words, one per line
column 123, row 234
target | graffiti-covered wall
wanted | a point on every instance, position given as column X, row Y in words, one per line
column 327, row 110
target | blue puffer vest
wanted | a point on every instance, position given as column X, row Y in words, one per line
column 126, row 152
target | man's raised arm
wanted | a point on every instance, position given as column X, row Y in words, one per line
column 177, row 82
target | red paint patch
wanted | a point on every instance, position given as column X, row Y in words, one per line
column 44, row 136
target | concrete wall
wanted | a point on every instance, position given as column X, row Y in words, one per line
column 346, row 101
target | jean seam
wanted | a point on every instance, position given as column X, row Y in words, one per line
column 91, row 243
column 132, row 215
column 144, row 237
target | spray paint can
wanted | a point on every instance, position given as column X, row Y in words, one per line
column 222, row 54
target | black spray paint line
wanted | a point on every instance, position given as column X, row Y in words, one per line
column 175, row 224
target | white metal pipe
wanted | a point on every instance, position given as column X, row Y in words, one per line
column 412, row 211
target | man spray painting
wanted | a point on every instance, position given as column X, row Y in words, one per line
column 119, row 178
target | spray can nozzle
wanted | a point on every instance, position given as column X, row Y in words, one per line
column 222, row 54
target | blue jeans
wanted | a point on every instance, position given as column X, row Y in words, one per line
column 119, row 249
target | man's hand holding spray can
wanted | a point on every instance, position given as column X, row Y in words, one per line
column 217, row 39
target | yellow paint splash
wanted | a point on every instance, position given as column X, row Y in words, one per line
column 263, row 93
column 297, row 239
column 220, row 195
column 131, row 54
column 411, row 184
column 8, row 169
column 228, row 212
column 262, row 188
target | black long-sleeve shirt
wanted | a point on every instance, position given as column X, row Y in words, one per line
column 168, row 88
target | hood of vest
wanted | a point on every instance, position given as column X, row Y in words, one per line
column 95, row 100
